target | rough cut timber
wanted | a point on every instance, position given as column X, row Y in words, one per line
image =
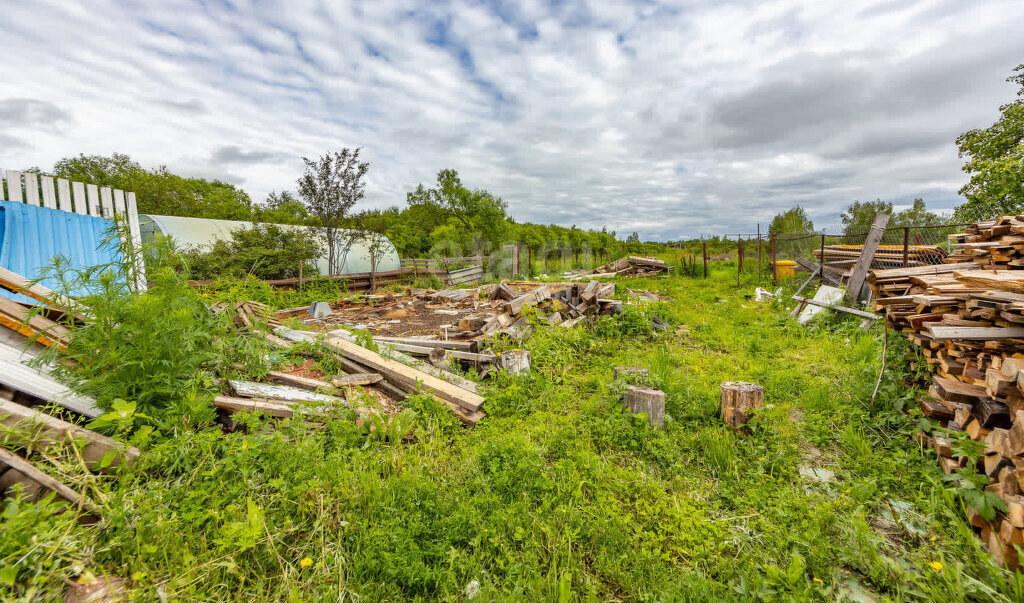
column 34, row 479
column 738, row 399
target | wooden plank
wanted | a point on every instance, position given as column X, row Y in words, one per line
column 78, row 192
column 93, row 199
column 45, row 430
column 31, row 189
column 356, row 379
column 941, row 333
column 283, row 393
column 63, row 195
column 820, row 304
column 12, row 281
column 106, row 202
column 49, row 193
column 27, row 469
column 952, row 390
column 14, row 186
column 119, row 205
column 274, row 409
column 406, row 376
column 464, row 346
column 17, row 318
column 303, row 382
column 38, row 382
column 135, row 233
column 860, row 269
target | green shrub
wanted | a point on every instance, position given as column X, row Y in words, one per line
column 266, row 251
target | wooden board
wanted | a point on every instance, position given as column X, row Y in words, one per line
column 406, row 376
column 867, row 254
column 38, row 382
column 45, row 430
column 284, row 393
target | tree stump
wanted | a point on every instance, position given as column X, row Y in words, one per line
column 516, row 362
column 647, row 400
column 738, row 398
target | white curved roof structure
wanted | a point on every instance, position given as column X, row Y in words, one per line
column 195, row 232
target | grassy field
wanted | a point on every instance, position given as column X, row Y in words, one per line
column 557, row 495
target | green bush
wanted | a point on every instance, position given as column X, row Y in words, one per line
column 266, row 251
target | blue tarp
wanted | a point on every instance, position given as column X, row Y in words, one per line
column 31, row 237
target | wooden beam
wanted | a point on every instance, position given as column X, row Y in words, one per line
column 46, row 430
column 860, row 269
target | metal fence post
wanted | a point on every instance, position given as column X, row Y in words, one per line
column 739, row 255
column 758, row 253
column 906, row 245
column 704, row 245
column 775, row 270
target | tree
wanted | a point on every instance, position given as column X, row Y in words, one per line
column 996, row 162
column 479, row 212
column 266, row 251
column 858, row 218
column 281, row 208
column 158, row 191
column 792, row 221
column 329, row 187
column 916, row 215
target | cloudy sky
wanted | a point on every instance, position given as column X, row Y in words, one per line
column 669, row 118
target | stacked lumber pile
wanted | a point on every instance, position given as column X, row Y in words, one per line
column 968, row 321
column 628, row 266
column 996, row 244
column 845, row 256
column 20, row 318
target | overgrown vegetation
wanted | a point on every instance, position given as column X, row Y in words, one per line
column 265, row 251
column 556, row 495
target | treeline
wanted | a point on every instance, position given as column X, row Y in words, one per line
column 446, row 218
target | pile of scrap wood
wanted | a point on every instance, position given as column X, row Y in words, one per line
column 996, row 244
column 21, row 318
column 627, row 266
column 968, row 321
column 245, row 313
column 467, row 314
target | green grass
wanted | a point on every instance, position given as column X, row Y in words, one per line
column 557, row 495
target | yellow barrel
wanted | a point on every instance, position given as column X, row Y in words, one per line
column 785, row 269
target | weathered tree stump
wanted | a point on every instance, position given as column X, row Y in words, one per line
column 516, row 362
column 738, row 398
column 646, row 400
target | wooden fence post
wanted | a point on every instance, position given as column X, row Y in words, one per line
column 775, row 269
column 739, row 255
column 821, row 261
column 704, row 245
column 758, row 253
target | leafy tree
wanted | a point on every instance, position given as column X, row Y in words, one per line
column 330, row 187
column 633, row 238
column 792, row 221
column 158, row 191
column 858, row 218
column 995, row 162
column 916, row 215
column 372, row 225
column 281, row 208
column 479, row 212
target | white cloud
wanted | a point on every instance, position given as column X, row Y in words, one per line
column 673, row 118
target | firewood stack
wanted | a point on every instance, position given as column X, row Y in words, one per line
column 845, row 256
column 968, row 320
column 628, row 266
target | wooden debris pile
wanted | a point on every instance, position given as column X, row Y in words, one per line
column 626, row 266
column 468, row 314
column 244, row 314
column 996, row 244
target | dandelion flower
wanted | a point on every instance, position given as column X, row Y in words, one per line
column 933, row 538
column 936, row 565
column 306, row 562
column 818, row 580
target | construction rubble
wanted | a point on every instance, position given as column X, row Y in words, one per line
column 967, row 318
column 422, row 340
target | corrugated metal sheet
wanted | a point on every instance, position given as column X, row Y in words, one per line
column 197, row 232
column 31, row 237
